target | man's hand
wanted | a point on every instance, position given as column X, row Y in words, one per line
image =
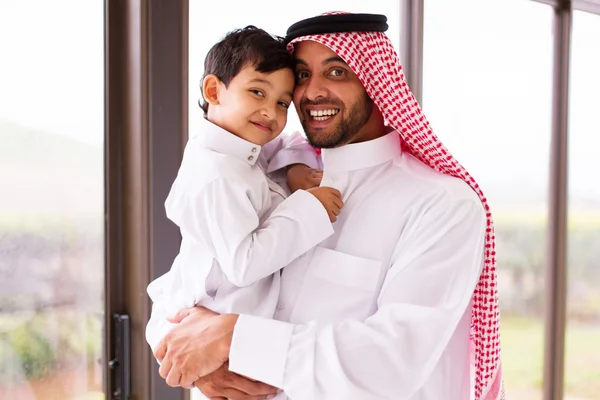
column 196, row 347
column 224, row 384
column 331, row 199
column 300, row 176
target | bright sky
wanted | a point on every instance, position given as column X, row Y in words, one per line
column 487, row 77
column 52, row 68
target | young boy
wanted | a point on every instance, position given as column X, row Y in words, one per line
column 238, row 228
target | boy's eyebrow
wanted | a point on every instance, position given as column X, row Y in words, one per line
column 266, row 82
column 260, row 80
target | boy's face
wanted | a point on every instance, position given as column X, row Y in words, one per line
column 255, row 105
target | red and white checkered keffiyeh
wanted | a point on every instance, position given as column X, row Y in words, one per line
column 374, row 60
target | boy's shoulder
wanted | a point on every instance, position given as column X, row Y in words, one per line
column 202, row 165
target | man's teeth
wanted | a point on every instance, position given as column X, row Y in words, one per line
column 322, row 115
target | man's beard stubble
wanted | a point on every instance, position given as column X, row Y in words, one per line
column 349, row 126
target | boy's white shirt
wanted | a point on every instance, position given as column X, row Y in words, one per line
column 239, row 227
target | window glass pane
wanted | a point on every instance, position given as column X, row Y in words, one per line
column 487, row 87
column 582, row 363
column 52, row 201
column 210, row 21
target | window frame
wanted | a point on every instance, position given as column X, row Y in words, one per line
column 146, row 77
column 146, row 127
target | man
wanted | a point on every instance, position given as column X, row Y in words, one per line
column 400, row 303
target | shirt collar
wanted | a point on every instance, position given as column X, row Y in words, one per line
column 362, row 155
column 222, row 141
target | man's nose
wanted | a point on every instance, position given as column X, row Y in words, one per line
column 315, row 88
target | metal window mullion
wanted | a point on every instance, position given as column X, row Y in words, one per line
column 113, row 164
column 553, row 3
column 126, row 128
column 168, row 105
column 146, row 125
column 412, row 44
column 556, row 274
column 591, row 6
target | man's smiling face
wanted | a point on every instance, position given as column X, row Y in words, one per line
column 331, row 102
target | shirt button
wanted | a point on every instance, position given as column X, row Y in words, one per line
column 250, row 158
column 280, row 306
column 254, row 149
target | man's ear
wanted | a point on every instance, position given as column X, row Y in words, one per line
column 210, row 89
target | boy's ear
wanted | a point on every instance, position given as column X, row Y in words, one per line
column 210, row 89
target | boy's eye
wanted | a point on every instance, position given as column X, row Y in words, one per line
column 257, row 92
column 284, row 104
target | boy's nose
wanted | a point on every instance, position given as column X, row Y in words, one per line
column 268, row 112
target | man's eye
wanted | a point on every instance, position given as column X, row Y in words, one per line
column 257, row 92
column 337, row 72
column 302, row 75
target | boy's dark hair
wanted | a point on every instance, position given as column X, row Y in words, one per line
column 250, row 45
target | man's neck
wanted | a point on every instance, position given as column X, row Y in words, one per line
column 367, row 133
column 373, row 129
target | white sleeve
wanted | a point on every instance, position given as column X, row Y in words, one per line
column 391, row 354
column 290, row 149
column 158, row 326
column 223, row 217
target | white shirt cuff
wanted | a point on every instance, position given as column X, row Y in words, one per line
column 288, row 157
column 156, row 331
column 259, row 349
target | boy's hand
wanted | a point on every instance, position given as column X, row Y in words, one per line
column 330, row 198
column 300, row 176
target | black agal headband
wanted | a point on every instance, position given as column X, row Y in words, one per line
column 337, row 23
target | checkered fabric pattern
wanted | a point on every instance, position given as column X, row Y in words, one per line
column 374, row 60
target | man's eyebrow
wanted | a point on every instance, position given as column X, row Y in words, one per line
column 301, row 61
column 260, row 80
column 334, row 59
column 327, row 61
